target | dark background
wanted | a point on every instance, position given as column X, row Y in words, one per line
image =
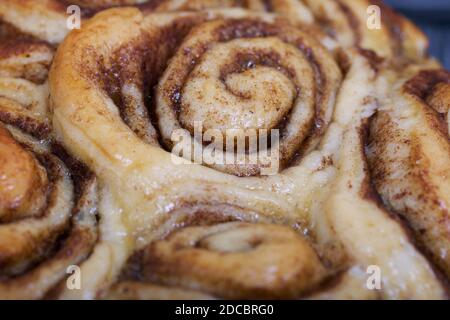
column 433, row 16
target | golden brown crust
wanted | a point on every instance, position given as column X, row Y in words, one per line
column 39, row 238
column 234, row 261
column 439, row 98
column 23, row 180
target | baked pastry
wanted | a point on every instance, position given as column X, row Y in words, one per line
column 174, row 214
column 47, row 19
column 369, row 24
column 47, row 199
column 138, row 98
column 408, row 154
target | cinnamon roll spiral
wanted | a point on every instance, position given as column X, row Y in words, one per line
column 47, row 221
column 233, row 260
column 171, row 228
column 47, row 199
column 249, row 76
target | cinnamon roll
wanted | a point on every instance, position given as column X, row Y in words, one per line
column 23, row 85
column 47, row 199
column 29, row 32
column 232, row 260
column 409, row 157
column 174, row 227
column 249, row 77
column 47, row 19
column 369, row 24
column 47, row 214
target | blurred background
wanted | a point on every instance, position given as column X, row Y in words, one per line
column 434, row 18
